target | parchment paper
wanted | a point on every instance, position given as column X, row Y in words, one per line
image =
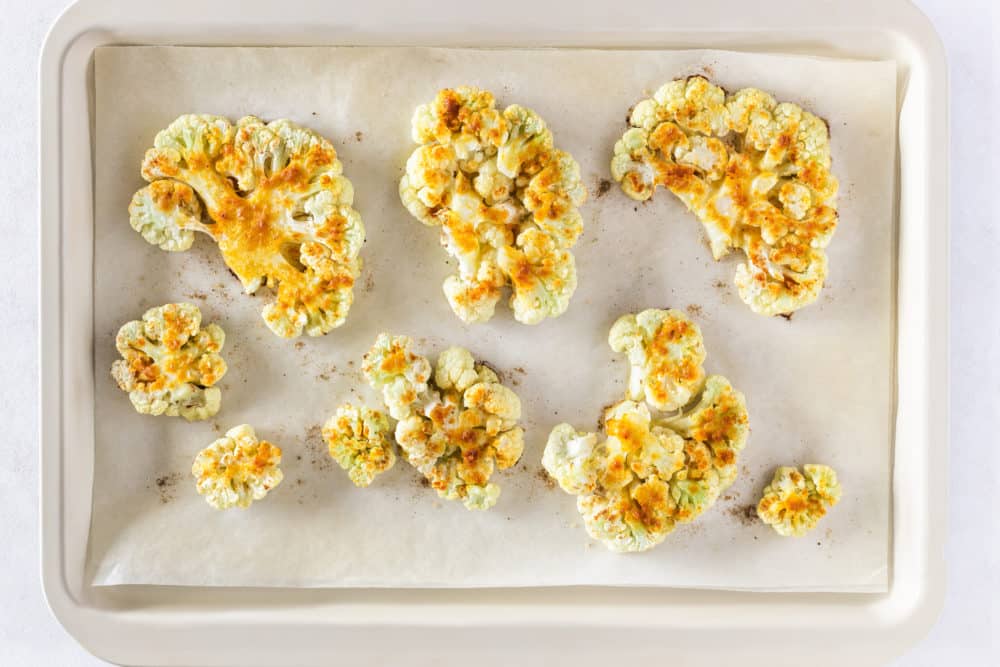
column 819, row 387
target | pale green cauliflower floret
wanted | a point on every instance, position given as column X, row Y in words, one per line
column 400, row 374
column 506, row 202
column 542, row 274
column 573, row 459
column 358, row 441
column 474, row 299
column 527, row 138
column 462, row 428
column 237, row 469
column 553, row 197
column 274, row 199
column 755, row 172
column 665, row 353
column 651, row 473
column 170, row 363
column 794, row 502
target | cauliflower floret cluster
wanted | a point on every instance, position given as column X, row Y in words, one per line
column 506, row 201
column 652, row 472
column 170, row 363
column 455, row 430
column 274, row 199
column 237, row 469
column 357, row 441
column 755, row 172
column 665, row 353
column 794, row 502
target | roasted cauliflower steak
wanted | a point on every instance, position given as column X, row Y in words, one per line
column 505, row 199
column 754, row 171
column 274, row 199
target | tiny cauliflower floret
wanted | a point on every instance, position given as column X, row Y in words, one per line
column 273, row 198
column 505, row 199
column 237, row 469
column 459, row 428
column 665, row 354
column 400, row 374
column 794, row 502
column 358, row 441
column 756, row 173
column 170, row 362
column 651, row 473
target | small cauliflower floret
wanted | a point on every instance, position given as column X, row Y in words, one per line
column 756, row 173
column 237, row 469
column 719, row 421
column 542, row 274
column 474, row 299
column 400, row 374
column 553, row 197
column 665, row 353
column 573, row 459
column 273, row 198
column 794, row 502
column 778, row 280
column 526, row 141
column 357, row 441
column 650, row 474
column 170, row 363
column 505, row 199
column 464, row 428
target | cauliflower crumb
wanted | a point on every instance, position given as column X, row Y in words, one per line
column 356, row 438
column 756, row 173
column 274, row 199
column 237, row 469
column 794, row 502
column 456, row 429
column 665, row 354
column 170, row 363
column 506, row 201
column 651, row 473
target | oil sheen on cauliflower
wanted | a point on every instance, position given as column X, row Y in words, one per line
column 273, row 198
column 357, row 441
column 794, row 502
column 652, row 472
column 665, row 354
column 459, row 428
column 505, row 199
column 754, row 171
column 170, row 363
column 237, row 469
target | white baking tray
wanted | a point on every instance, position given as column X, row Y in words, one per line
column 145, row 625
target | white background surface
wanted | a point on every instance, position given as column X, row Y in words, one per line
column 30, row 636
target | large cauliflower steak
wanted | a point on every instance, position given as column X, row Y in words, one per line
column 794, row 501
column 458, row 428
column 754, row 171
column 237, row 469
column 651, row 473
column 505, row 199
column 170, row 362
column 274, row 199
